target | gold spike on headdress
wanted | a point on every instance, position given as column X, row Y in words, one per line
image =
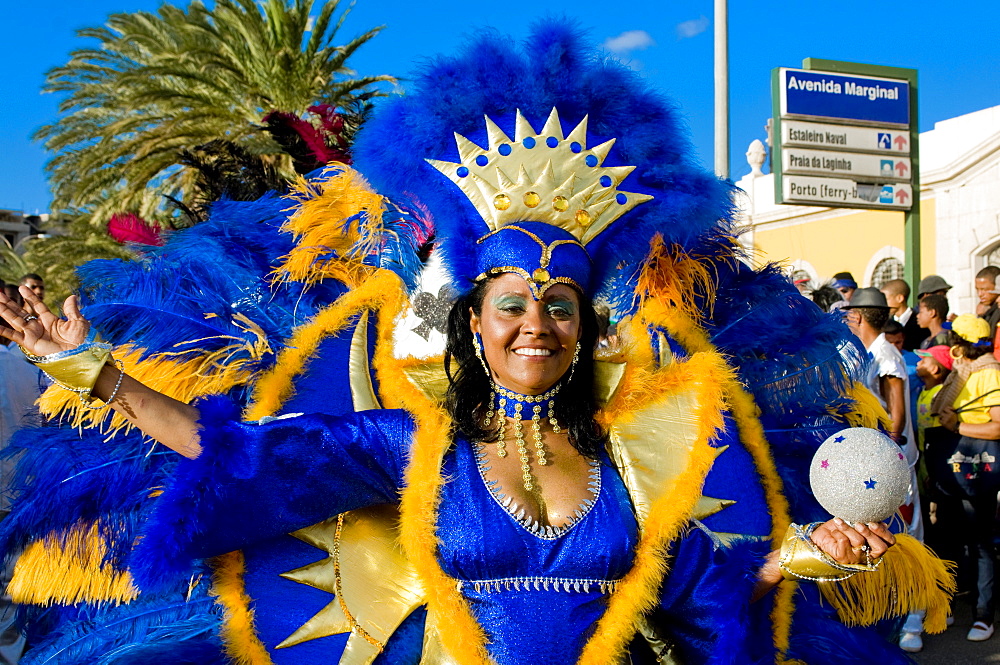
column 541, row 177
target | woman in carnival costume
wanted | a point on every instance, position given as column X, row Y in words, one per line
column 516, row 501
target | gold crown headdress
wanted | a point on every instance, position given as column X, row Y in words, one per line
column 559, row 180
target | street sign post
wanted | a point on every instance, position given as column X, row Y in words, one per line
column 846, row 135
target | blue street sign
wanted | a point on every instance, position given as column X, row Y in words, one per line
column 827, row 95
column 885, row 141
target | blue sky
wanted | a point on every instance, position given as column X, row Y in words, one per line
column 953, row 46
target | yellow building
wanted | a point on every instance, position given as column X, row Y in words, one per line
column 960, row 217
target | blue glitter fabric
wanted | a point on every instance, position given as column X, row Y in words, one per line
column 270, row 479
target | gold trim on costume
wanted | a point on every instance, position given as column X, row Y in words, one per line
column 358, row 371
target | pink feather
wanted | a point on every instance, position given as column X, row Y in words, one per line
column 130, row 228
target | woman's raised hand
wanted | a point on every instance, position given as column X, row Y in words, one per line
column 37, row 330
column 861, row 543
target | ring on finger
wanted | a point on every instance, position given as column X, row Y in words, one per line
column 30, row 317
column 862, row 548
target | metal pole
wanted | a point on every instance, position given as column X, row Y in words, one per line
column 911, row 222
column 721, row 89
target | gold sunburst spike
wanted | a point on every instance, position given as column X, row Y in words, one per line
column 467, row 150
column 601, row 151
column 371, row 565
column 495, row 135
column 708, row 506
column 541, row 177
column 554, row 128
column 522, row 128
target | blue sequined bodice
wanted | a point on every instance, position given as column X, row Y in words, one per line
column 539, row 595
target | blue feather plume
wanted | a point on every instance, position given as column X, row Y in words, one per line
column 64, row 477
column 165, row 632
column 556, row 67
column 185, row 296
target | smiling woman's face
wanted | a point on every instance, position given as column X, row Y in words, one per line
column 528, row 343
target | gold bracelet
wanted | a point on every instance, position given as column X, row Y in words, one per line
column 800, row 559
column 76, row 369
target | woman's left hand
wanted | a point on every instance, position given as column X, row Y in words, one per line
column 846, row 543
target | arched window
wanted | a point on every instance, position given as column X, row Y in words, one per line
column 992, row 258
column 887, row 269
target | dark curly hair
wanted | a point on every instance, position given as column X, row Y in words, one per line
column 969, row 350
column 468, row 394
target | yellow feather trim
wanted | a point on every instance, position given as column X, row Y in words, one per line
column 332, row 235
column 910, row 578
column 464, row 639
column 670, row 514
column 693, row 338
column 69, row 569
column 744, row 411
column 380, row 290
column 867, row 411
column 185, row 380
column 677, row 280
column 238, row 633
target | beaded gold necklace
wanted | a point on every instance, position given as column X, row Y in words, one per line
column 502, row 399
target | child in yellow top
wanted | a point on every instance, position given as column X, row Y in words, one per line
column 932, row 369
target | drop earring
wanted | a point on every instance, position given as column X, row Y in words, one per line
column 477, row 345
column 576, row 359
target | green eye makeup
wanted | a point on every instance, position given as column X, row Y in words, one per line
column 561, row 308
column 510, row 301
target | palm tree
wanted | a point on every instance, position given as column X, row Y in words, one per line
column 162, row 85
column 12, row 264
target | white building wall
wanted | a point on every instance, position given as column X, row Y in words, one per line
column 959, row 169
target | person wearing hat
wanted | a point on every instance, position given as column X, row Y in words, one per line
column 845, row 285
column 933, row 368
column 932, row 315
column 932, row 284
column 936, row 444
column 969, row 405
column 868, row 312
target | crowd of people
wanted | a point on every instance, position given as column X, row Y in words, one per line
column 937, row 374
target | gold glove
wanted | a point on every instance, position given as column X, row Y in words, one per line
column 76, row 369
column 800, row 559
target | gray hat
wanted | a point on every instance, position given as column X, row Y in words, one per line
column 932, row 283
column 868, row 297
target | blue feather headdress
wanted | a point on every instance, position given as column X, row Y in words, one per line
column 517, row 92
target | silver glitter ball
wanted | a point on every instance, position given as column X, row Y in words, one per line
column 860, row 475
